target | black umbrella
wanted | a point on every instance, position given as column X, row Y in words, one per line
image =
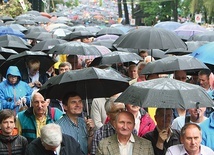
column 106, row 43
column 178, row 51
column 166, row 93
column 110, row 30
column 46, row 45
column 78, row 35
column 18, row 27
column 193, row 45
column 205, row 36
column 20, row 60
column 41, row 19
column 116, row 57
column 29, row 17
column 2, row 59
column 40, row 36
column 5, row 52
column 89, row 83
column 33, row 12
column 75, row 48
column 151, row 38
column 25, row 22
column 14, row 42
column 174, row 63
column 33, row 29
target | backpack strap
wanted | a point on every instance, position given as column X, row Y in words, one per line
column 52, row 113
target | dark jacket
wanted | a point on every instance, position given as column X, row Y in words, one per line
column 153, row 137
column 28, row 122
column 68, row 147
column 12, row 145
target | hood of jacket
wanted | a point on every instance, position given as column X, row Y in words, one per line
column 13, row 70
column 10, row 138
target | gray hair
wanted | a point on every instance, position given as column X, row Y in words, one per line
column 187, row 125
column 110, row 103
column 63, row 64
column 51, row 134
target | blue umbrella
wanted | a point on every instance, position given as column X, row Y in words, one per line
column 168, row 25
column 4, row 30
column 205, row 53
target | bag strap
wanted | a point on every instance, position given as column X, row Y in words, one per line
column 52, row 113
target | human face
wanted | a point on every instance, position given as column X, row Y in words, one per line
column 204, row 81
column 132, row 108
column 39, row 104
column 115, row 109
column 164, row 118
column 74, row 106
column 194, row 113
column 133, row 72
column 33, row 72
column 191, row 140
column 63, row 69
column 124, row 125
column 12, row 79
column 7, row 126
column 180, row 75
column 143, row 55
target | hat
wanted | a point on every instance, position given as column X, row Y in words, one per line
column 51, row 135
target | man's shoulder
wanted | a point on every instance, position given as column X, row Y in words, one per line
column 141, row 140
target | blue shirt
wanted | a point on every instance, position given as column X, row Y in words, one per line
column 78, row 132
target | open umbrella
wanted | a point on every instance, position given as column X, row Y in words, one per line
column 193, row 45
column 168, row 25
column 78, row 35
column 75, row 48
column 40, row 35
column 151, row 38
column 174, row 63
column 18, row 27
column 178, row 51
column 166, row 93
column 110, row 30
column 116, row 57
column 46, row 45
column 5, row 52
column 205, row 36
column 106, row 43
column 5, row 30
column 89, row 83
column 20, row 60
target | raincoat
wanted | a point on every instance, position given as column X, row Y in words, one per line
column 11, row 93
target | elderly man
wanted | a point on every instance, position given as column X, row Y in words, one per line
column 112, row 109
column 124, row 142
column 30, row 122
column 191, row 142
column 81, row 129
column 163, row 136
column 53, row 142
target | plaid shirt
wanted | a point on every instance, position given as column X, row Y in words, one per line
column 105, row 131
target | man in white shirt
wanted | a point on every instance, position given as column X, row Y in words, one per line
column 191, row 142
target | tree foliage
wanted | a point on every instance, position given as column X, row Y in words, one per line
column 13, row 8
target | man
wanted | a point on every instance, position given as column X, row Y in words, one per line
column 81, row 129
column 124, row 142
column 10, row 142
column 14, row 93
column 163, row 136
column 191, row 142
column 112, row 109
column 207, row 128
column 204, row 81
column 64, row 67
column 30, row 122
column 143, row 54
column 75, row 62
column 133, row 71
column 196, row 116
column 53, row 142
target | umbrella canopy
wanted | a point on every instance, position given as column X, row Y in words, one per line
column 14, row 42
column 40, row 36
column 106, row 43
column 18, row 27
column 110, row 30
column 33, row 12
column 37, row 29
column 20, row 60
column 41, row 19
column 5, row 30
column 205, row 36
column 60, row 32
column 193, row 45
column 174, row 63
column 178, row 51
column 168, row 25
column 89, row 83
column 107, row 37
column 75, row 48
column 166, row 93
column 187, row 30
column 78, row 35
column 205, row 54
column 5, row 52
column 116, row 57
column 46, row 45
column 151, row 38
column 25, row 22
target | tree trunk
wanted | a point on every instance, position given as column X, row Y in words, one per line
column 120, row 14
column 175, row 10
column 126, row 12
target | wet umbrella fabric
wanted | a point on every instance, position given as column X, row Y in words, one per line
column 205, row 36
column 151, row 38
column 46, row 45
column 168, row 25
column 5, row 30
column 75, row 48
column 166, row 93
column 5, row 52
column 110, row 31
column 174, row 63
column 178, row 51
column 20, row 60
column 78, row 35
column 40, row 36
column 89, row 83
